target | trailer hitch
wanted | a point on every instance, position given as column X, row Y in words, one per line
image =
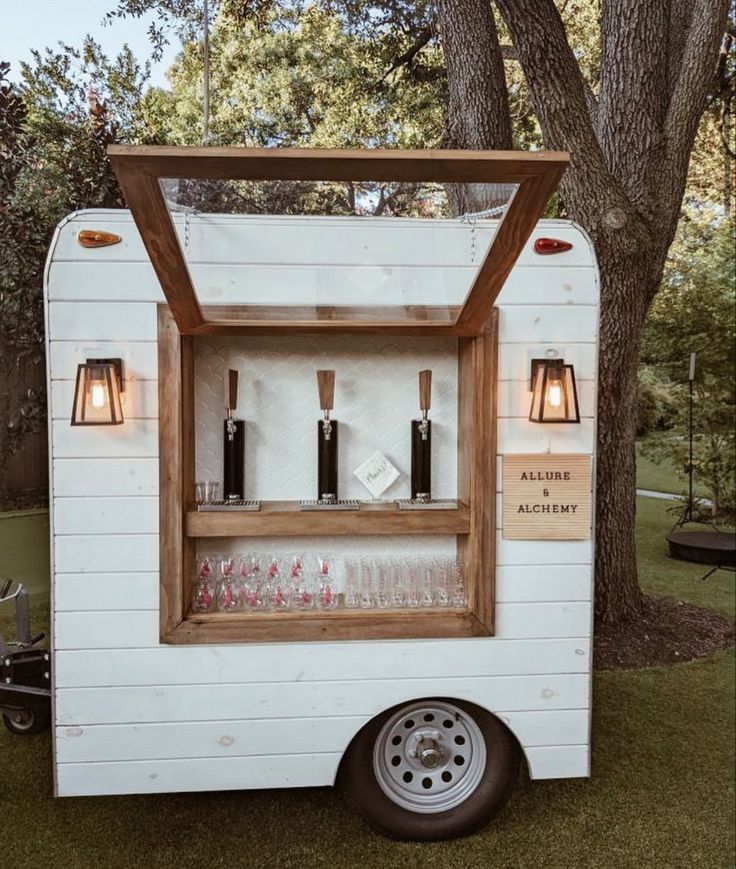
column 25, row 671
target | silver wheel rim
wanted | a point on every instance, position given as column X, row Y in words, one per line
column 429, row 757
column 22, row 719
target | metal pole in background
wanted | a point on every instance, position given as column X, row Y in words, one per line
column 206, row 71
column 691, row 382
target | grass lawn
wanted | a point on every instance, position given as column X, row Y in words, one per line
column 661, row 794
column 661, row 476
column 24, row 548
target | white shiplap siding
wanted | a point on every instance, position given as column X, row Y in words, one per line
column 135, row 716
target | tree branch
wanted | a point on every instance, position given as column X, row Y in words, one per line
column 478, row 113
column 424, row 36
column 557, row 87
column 695, row 80
column 633, row 94
column 478, row 108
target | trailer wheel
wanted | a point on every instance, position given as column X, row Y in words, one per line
column 433, row 769
column 25, row 722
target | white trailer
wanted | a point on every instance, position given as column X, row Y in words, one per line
column 135, row 712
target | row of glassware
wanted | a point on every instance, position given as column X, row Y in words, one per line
column 257, row 582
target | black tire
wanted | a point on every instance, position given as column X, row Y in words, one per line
column 25, row 722
column 357, row 777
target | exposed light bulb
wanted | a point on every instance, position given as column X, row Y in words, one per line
column 98, row 396
column 554, row 394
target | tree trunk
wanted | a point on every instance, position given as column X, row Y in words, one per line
column 478, row 114
column 627, row 280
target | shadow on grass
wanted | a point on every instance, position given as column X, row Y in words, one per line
column 661, row 794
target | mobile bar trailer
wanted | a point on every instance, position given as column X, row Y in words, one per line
column 331, row 616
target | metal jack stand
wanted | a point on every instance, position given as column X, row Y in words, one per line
column 25, row 672
column 716, row 548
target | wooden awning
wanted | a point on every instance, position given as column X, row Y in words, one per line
column 140, row 168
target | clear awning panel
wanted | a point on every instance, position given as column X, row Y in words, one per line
column 297, row 250
column 251, row 240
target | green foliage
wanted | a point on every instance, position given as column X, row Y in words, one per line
column 657, row 404
column 694, row 311
column 299, row 80
column 54, row 131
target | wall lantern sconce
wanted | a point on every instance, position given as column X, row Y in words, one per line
column 97, row 393
column 554, row 395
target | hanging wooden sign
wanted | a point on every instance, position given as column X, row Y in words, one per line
column 546, row 497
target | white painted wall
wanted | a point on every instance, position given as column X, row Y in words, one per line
column 135, row 716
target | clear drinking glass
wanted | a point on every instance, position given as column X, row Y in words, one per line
column 352, row 585
column 456, row 584
column 381, row 585
column 441, row 578
column 424, row 583
column 227, row 595
column 200, row 491
column 249, row 586
column 211, row 490
column 327, row 597
column 411, row 582
column 397, row 569
column 303, row 586
column 366, row 567
column 278, row 584
column 203, row 595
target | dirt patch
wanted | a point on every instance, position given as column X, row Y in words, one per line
column 666, row 632
column 29, row 499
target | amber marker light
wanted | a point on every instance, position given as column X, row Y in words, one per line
column 97, row 238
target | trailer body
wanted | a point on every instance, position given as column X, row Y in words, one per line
column 134, row 715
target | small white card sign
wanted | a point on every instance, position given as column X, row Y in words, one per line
column 376, row 474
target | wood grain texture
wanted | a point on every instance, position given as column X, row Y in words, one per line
column 320, row 315
column 146, row 202
column 425, row 390
column 334, row 327
column 337, row 625
column 172, row 544
column 100, row 668
column 547, row 497
column 520, row 218
column 326, row 389
column 296, row 700
column 315, row 164
column 232, row 389
column 477, row 376
column 139, row 169
column 233, row 739
column 285, row 519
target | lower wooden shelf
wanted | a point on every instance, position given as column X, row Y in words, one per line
column 285, row 519
column 325, row 626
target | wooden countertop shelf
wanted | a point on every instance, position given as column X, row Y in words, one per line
column 335, row 625
column 285, row 519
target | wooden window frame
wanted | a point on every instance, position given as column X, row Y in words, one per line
column 139, row 169
column 180, row 525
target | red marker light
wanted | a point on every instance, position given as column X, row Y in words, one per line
column 551, row 245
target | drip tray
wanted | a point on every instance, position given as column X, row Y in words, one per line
column 229, row 505
column 432, row 504
column 329, row 505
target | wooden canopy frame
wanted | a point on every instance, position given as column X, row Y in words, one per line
column 475, row 323
column 140, row 168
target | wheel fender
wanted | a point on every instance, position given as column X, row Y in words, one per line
column 417, row 699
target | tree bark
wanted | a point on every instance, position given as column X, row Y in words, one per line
column 478, row 114
column 629, row 156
